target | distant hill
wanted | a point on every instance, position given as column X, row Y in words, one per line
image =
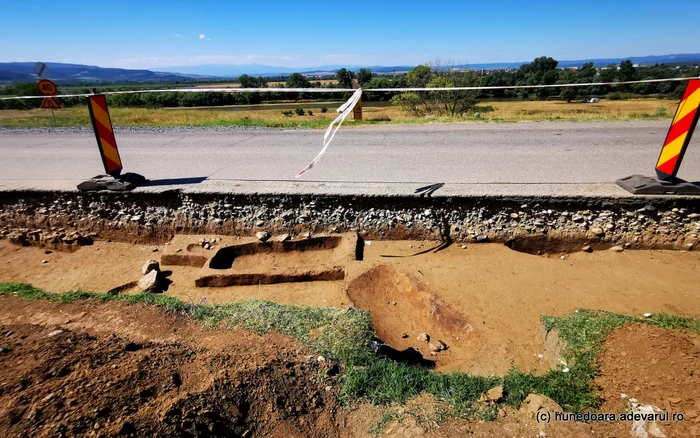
column 600, row 62
column 24, row 71
column 231, row 70
column 225, row 70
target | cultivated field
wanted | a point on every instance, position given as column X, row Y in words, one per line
column 514, row 111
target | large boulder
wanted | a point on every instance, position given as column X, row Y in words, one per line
column 150, row 265
column 149, row 282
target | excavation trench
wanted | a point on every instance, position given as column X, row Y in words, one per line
column 482, row 299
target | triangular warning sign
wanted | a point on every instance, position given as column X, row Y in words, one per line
column 50, row 103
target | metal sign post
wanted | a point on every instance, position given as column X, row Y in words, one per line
column 47, row 88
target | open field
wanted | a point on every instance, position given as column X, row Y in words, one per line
column 515, row 111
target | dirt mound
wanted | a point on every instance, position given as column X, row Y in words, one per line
column 402, row 307
column 65, row 382
column 657, row 367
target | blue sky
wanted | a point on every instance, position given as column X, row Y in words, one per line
column 145, row 34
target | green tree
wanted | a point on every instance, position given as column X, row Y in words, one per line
column 298, row 80
column 609, row 73
column 419, row 76
column 586, row 73
column 364, row 76
column 439, row 102
column 540, row 65
column 247, row 81
column 344, row 77
column 627, row 71
column 569, row 94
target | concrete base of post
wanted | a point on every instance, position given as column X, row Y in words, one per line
column 646, row 185
column 128, row 181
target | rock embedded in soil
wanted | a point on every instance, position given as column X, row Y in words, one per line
column 263, row 236
column 437, row 346
column 587, row 248
column 493, row 395
column 536, row 402
column 598, row 232
column 149, row 283
column 617, row 249
column 283, row 237
column 150, row 265
column 424, row 337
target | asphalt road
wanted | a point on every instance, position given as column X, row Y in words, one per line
column 525, row 153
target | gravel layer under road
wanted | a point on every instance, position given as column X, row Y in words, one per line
column 561, row 158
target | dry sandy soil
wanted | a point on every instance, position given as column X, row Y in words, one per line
column 137, row 371
column 88, row 369
column 484, row 302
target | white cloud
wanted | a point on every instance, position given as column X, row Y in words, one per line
column 178, row 35
column 202, row 36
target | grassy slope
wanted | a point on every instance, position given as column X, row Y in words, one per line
column 503, row 112
column 347, row 337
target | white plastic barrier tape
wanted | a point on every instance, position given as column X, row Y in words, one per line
column 504, row 87
column 344, row 110
column 347, row 90
column 201, row 90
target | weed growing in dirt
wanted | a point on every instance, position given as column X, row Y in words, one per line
column 377, row 428
column 342, row 334
column 583, row 333
column 382, row 381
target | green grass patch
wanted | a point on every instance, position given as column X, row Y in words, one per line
column 342, row 334
column 346, row 335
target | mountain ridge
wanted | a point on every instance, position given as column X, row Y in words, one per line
column 24, row 71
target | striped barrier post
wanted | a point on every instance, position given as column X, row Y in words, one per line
column 107, row 144
column 677, row 140
column 680, row 132
column 104, row 133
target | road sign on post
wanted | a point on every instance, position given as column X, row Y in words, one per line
column 107, row 144
column 50, row 103
column 41, row 70
column 677, row 140
column 47, row 88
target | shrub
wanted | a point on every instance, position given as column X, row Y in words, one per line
column 287, row 113
column 660, row 112
column 311, row 113
column 299, row 111
column 324, row 110
column 483, row 108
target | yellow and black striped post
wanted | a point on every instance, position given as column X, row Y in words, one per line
column 107, row 144
column 680, row 132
